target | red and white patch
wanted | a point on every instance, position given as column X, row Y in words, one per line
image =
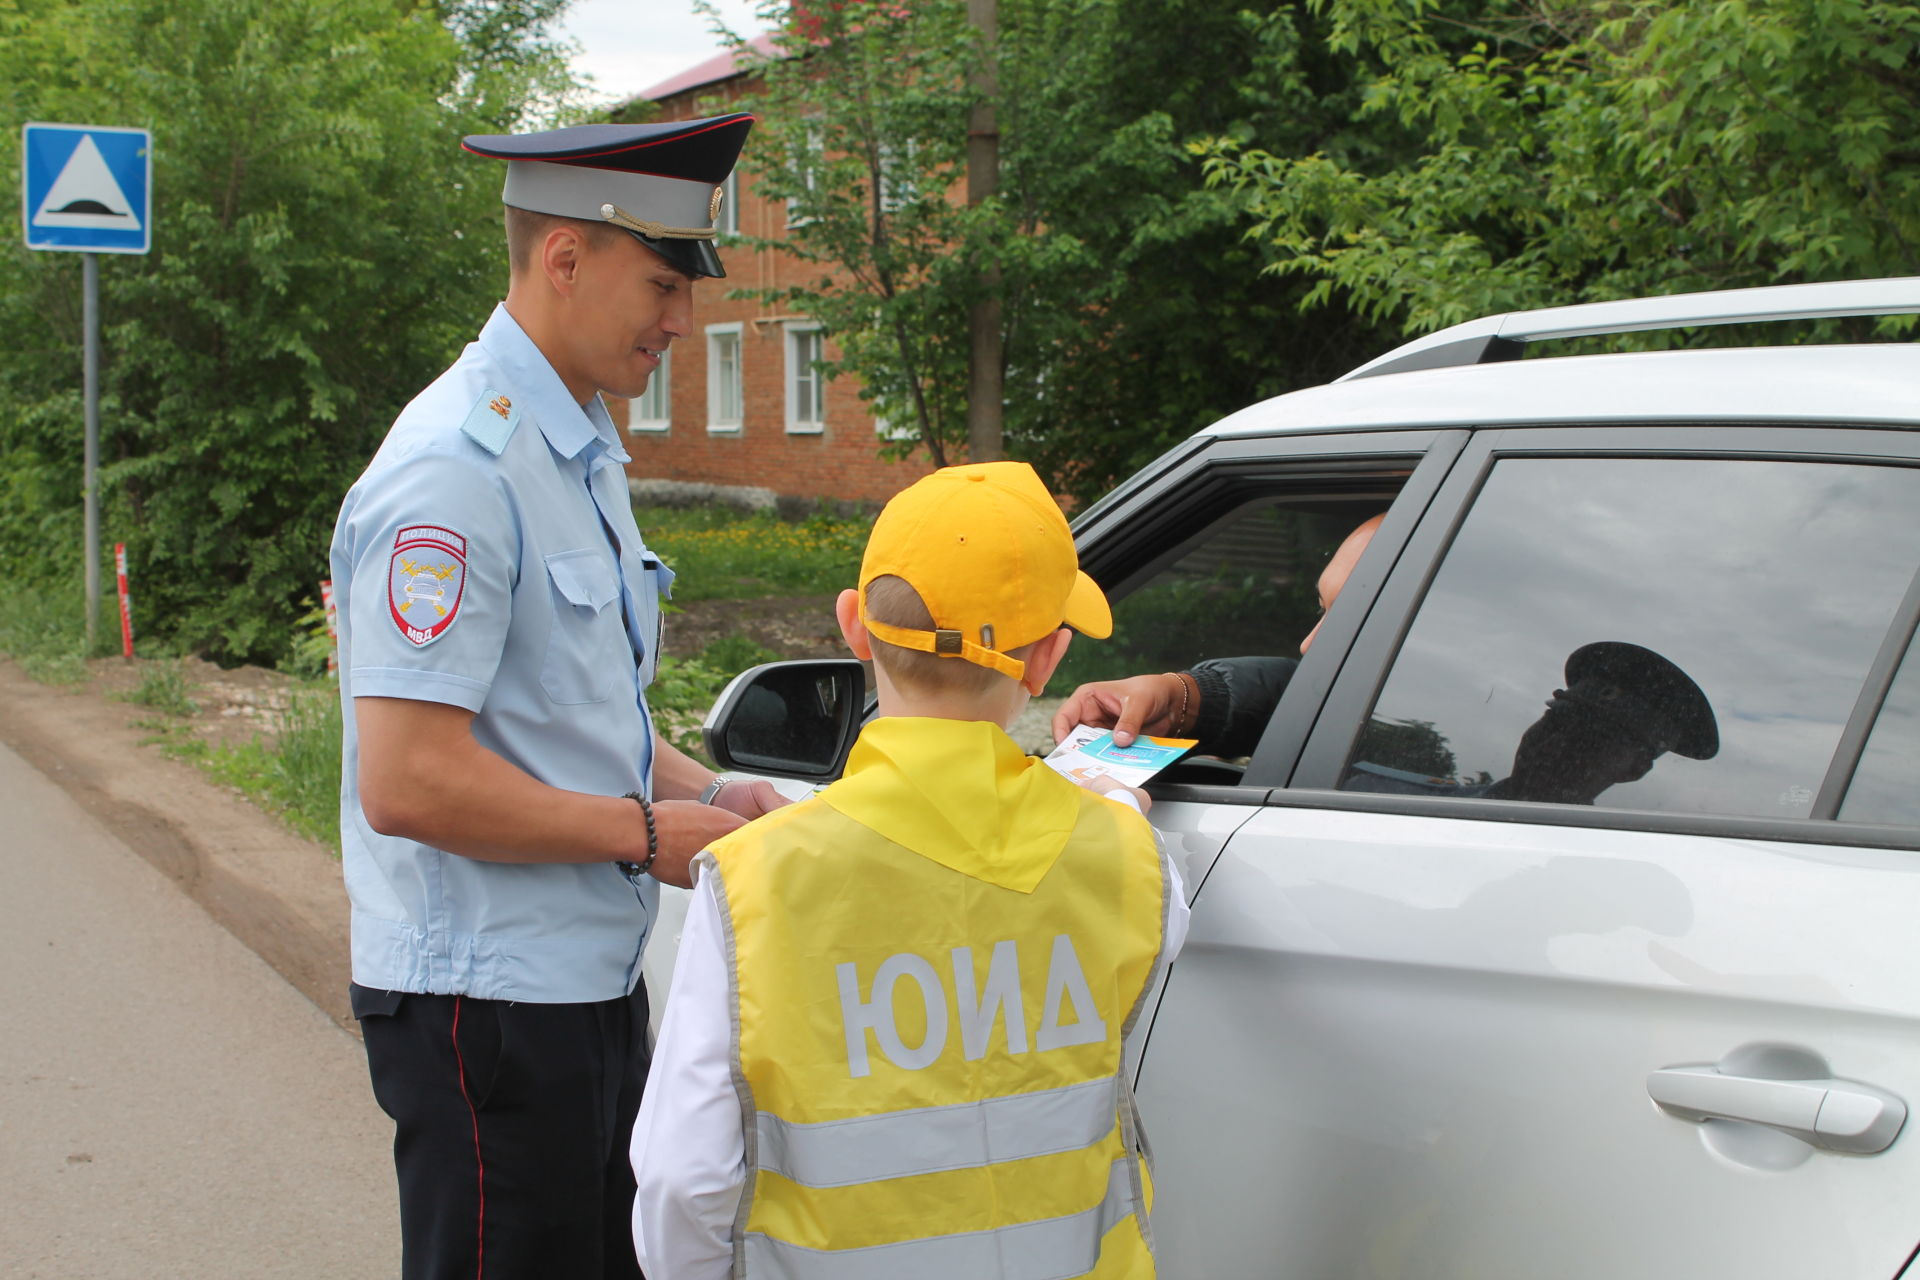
column 425, row 579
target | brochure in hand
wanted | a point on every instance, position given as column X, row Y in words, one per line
column 1088, row 753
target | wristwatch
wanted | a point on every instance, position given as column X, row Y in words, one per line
column 713, row 788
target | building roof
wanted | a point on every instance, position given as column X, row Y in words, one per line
column 721, row 66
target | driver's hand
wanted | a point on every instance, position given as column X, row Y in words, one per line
column 1130, row 707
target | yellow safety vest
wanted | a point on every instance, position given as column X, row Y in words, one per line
column 933, row 965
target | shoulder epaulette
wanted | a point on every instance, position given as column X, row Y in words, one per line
column 492, row 420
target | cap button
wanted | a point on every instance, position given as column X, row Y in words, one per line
column 607, row 211
column 977, row 478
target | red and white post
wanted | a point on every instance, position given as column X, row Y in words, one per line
column 126, row 600
column 333, row 627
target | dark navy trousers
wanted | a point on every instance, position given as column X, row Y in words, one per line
column 511, row 1127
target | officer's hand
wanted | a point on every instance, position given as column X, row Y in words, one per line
column 683, row 828
column 1138, row 704
column 1104, row 784
column 749, row 797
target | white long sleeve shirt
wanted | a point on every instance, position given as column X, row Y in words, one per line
column 688, row 1150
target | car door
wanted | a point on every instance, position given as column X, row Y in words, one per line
column 1459, row 1001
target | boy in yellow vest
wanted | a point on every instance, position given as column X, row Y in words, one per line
column 893, row 1044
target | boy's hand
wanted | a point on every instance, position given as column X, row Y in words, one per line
column 1138, row 704
column 1106, row 785
column 749, row 797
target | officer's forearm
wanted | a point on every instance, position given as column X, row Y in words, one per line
column 677, row 775
column 424, row 777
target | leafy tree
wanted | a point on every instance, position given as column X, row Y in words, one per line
column 321, row 248
column 1594, row 149
column 1134, row 310
column 862, row 110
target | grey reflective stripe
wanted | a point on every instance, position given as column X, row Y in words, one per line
column 1050, row 1249
column 966, row 1135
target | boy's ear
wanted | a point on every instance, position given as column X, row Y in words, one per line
column 1044, row 659
column 846, row 611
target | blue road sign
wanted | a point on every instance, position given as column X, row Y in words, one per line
column 87, row 188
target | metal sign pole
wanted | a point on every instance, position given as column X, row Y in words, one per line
column 91, row 274
column 88, row 189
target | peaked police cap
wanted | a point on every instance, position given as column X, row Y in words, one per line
column 658, row 182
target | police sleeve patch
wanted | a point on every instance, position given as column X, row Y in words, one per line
column 425, row 579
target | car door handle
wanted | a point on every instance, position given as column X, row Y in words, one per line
column 1834, row 1115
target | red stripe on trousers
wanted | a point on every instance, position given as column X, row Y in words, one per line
column 480, row 1168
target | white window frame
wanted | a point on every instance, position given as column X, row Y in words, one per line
column 717, row 419
column 804, row 380
column 816, row 151
column 886, row 430
column 651, row 413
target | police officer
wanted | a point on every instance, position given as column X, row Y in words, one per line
column 506, row 802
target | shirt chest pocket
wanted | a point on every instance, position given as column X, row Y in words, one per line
column 587, row 648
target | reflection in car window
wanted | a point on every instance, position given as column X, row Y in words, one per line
column 1886, row 784
column 1679, row 634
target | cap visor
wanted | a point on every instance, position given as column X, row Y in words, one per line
column 1087, row 610
column 691, row 257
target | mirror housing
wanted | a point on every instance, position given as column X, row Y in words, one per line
column 788, row 719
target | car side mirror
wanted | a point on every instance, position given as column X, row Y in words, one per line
column 789, row 719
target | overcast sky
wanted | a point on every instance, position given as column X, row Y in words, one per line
column 630, row 45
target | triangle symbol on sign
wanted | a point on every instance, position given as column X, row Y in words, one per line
column 85, row 195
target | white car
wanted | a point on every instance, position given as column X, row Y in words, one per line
column 1434, row 1020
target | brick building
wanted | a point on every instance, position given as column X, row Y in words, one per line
column 738, row 403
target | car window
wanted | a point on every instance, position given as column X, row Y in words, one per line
column 1677, row 634
column 1886, row 783
column 1245, row 585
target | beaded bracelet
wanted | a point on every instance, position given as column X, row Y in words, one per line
column 653, row 836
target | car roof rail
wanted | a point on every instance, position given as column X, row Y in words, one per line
column 1502, row 337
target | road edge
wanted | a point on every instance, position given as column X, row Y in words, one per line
column 279, row 894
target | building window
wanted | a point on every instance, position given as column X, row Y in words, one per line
column 729, row 224
column 652, row 409
column 723, row 377
column 806, row 385
column 807, row 160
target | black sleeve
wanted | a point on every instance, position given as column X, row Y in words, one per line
column 1237, row 698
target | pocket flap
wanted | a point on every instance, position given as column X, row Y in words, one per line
column 662, row 576
column 584, row 577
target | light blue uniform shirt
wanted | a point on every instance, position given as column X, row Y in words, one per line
column 474, row 564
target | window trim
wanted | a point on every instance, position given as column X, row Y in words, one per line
column 1894, row 649
column 1158, row 520
column 795, row 426
column 717, row 425
column 662, row 380
column 1390, row 612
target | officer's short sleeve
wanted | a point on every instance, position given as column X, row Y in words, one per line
column 433, row 547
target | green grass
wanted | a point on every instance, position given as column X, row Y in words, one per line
column 163, row 686
column 295, row 774
column 720, row 554
column 43, row 626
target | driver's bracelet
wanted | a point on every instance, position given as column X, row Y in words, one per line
column 653, row 836
column 1186, row 700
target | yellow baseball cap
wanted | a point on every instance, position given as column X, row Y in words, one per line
column 991, row 556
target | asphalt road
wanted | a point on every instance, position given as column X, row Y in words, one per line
column 169, row 1106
